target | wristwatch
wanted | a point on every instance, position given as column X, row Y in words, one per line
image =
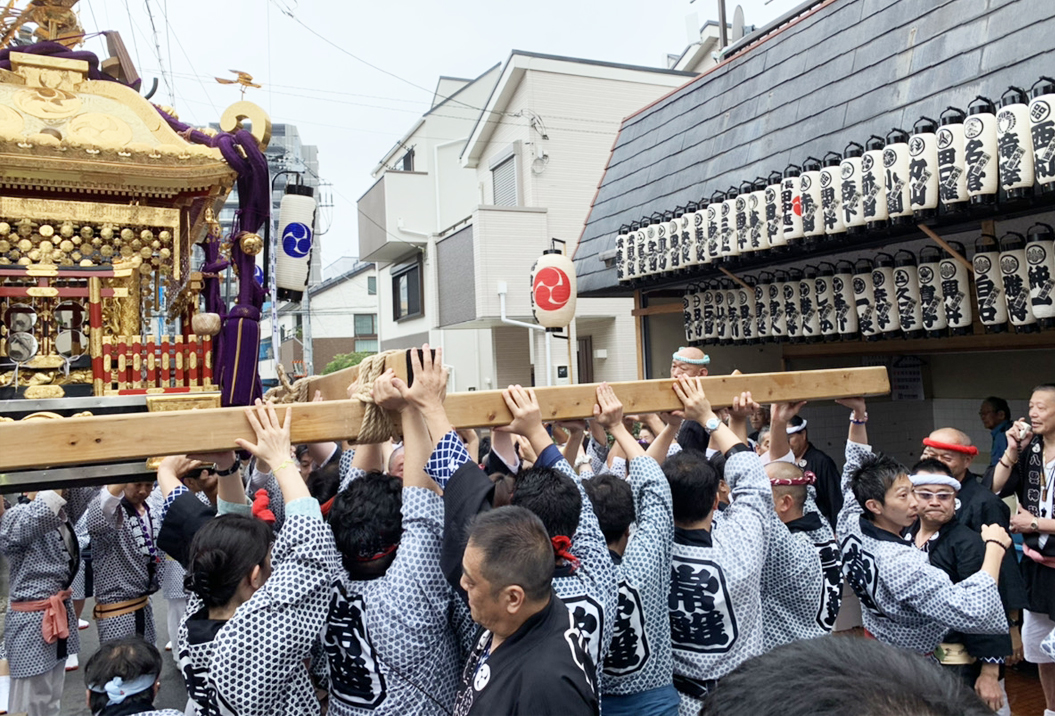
column 235, row 466
column 713, row 424
column 1034, row 525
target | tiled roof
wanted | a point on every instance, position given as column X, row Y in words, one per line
column 848, row 69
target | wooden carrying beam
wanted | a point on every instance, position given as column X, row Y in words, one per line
column 118, row 438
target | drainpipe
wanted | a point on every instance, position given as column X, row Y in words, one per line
column 503, row 288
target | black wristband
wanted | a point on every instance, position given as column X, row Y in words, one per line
column 997, row 542
column 235, row 466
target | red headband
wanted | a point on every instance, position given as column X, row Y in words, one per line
column 383, row 553
column 562, row 548
column 808, row 478
column 965, row 449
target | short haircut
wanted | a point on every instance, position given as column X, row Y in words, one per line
column 693, row 485
column 516, row 550
column 872, row 479
column 129, row 658
column 613, row 502
column 780, row 470
column 835, row 676
column 999, row 405
column 324, row 482
column 1044, row 386
column 366, row 519
column 551, row 495
column 932, row 466
column 223, row 553
column 763, row 431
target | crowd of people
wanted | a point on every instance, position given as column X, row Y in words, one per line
column 692, row 562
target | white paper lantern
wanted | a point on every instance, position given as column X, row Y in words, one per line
column 791, row 205
column 1042, row 128
column 1040, row 256
column 714, row 228
column 756, row 206
column 775, row 211
column 906, row 293
column 658, row 265
column 831, row 195
column 896, row 179
column 685, row 239
column 743, row 219
column 887, row 321
column 1015, row 272
column 1015, row 144
column 822, row 288
column 873, row 184
column 809, row 318
column 864, row 300
column 730, row 248
column 843, row 298
column 761, row 312
column 732, row 312
column 642, row 247
column 699, row 334
column 699, row 246
column 745, row 298
column 778, row 325
column 687, row 315
column 620, row 253
column 932, row 305
column 553, row 290
column 989, row 284
column 851, row 189
column 296, row 235
column 952, row 166
column 955, row 285
column 789, row 292
column 674, row 240
column 810, row 198
column 630, row 258
column 923, row 168
column 710, row 314
column 980, row 150
column 721, row 325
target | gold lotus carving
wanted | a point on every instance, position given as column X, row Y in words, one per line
column 99, row 129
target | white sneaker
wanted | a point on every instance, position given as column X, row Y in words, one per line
column 5, row 693
column 168, row 646
column 81, row 624
column 71, row 663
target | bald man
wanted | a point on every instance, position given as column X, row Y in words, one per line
column 690, row 362
column 977, row 506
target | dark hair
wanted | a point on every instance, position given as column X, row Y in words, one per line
column 933, row 466
column 693, row 485
column 795, row 421
column 366, row 520
column 504, row 486
column 835, row 676
column 551, row 495
column 516, row 550
column 999, row 405
column 872, row 479
column 222, row 553
column 129, row 658
column 324, row 482
column 613, row 502
column 299, row 451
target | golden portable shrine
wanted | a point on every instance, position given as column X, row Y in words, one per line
column 101, row 203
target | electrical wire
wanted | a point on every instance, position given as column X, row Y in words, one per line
column 186, row 56
column 157, row 47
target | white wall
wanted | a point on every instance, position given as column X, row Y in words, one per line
column 332, row 309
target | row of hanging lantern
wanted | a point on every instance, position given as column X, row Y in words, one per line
column 963, row 159
column 889, row 297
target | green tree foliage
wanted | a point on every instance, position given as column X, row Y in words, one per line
column 345, row 360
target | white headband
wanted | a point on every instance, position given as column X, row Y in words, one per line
column 691, row 361
column 792, row 429
column 928, row 478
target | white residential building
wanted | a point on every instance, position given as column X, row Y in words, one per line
column 535, row 136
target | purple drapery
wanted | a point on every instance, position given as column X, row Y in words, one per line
column 237, row 348
column 55, row 49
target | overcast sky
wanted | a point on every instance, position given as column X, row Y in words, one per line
column 354, row 112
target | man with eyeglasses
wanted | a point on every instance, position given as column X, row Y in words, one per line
column 958, row 551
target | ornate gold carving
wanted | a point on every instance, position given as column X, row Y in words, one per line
column 41, row 362
column 102, row 130
column 167, row 403
column 11, row 122
column 48, row 103
column 40, row 392
column 234, row 115
column 42, row 291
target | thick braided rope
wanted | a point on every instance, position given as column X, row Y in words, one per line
column 378, row 424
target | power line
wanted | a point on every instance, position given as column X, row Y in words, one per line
column 157, row 47
column 135, row 41
column 187, row 57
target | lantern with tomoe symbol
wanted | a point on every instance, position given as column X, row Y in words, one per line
column 1042, row 128
column 843, row 300
column 811, row 202
column 296, row 230
column 778, row 326
column 727, row 222
column 980, row 151
column 831, row 195
column 743, row 218
column 789, row 288
column 887, row 319
column 923, row 168
column 757, row 209
column 809, row 319
column 906, row 291
column 989, row 284
column 864, row 299
column 952, row 173
column 1015, row 144
column 791, row 204
column 553, row 290
column 1040, row 257
column 714, row 227
column 822, row 286
column 850, row 189
column 873, row 184
column 896, row 177
column 761, row 312
column 954, row 288
column 620, row 253
column 1016, row 282
column 932, row 305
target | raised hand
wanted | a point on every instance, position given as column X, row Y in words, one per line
column 272, row 436
column 385, row 393
column 527, row 416
column 743, row 406
column 608, row 411
column 430, row 379
column 697, row 406
column 783, row 412
column 855, row 404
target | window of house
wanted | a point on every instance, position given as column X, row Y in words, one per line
column 366, row 345
column 365, row 324
column 407, row 163
column 504, row 179
column 406, row 292
column 371, row 285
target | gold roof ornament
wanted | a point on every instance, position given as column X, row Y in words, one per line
column 55, row 20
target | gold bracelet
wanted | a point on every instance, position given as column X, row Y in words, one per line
column 283, row 466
